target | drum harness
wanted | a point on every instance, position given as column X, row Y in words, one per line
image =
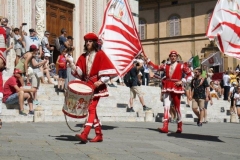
column 88, row 79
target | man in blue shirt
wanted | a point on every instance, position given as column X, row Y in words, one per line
column 63, row 38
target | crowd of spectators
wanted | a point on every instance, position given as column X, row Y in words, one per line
column 33, row 64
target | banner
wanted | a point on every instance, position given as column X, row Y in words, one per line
column 119, row 36
column 213, row 60
column 224, row 27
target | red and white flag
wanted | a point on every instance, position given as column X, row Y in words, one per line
column 119, row 35
column 224, row 27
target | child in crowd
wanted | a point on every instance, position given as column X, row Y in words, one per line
column 37, row 74
column 19, row 45
column 62, row 69
column 70, row 77
column 46, row 69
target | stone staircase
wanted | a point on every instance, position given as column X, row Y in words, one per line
column 112, row 108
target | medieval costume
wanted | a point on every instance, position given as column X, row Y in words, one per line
column 92, row 67
column 172, row 88
column 3, row 37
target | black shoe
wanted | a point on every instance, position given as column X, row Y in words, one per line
column 130, row 109
column 22, row 113
column 31, row 112
column 113, row 85
column 145, row 108
column 187, row 105
column 198, row 121
column 200, row 124
column 110, row 85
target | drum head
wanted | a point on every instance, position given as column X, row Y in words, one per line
column 80, row 87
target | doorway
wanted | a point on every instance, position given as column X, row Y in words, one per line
column 59, row 15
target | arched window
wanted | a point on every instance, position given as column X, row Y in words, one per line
column 174, row 26
column 208, row 18
column 142, row 29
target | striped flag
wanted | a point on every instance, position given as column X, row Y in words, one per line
column 224, row 27
column 119, row 35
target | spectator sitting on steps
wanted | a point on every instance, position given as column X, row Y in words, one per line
column 13, row 93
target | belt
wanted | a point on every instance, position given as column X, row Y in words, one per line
column 173, row 80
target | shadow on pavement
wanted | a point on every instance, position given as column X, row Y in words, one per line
column 195, row 137
column 68, row 138
column 104, row 127
column 189, row 124
column 153, row 129
column 65, row 138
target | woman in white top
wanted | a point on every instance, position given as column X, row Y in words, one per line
column 70, row 77
column 237, row 101
column 209, row 75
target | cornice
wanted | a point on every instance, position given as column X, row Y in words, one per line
column 142, row 8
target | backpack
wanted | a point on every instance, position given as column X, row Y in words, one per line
column 127, row 79
column 221, row 83
column 234, row 91
column 57, row 44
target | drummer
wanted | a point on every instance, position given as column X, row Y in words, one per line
column 95, row 68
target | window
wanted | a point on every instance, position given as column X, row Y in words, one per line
column 174, row 2
column 174, row 26
column 142, row 29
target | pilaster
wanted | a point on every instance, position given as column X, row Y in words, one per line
column 40, row 17
column 27, row 14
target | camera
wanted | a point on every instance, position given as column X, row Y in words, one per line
column 24, row 24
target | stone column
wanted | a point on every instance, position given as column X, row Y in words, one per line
column 40, row 18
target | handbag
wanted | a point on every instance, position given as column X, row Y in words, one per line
column 30, row 71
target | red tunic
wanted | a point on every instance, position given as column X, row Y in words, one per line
column 101, row 66
column 3, row 37
column 169, row 81
column 62, row 62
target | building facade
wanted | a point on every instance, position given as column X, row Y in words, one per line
column 180, row 25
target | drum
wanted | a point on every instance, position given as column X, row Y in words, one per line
column 77, row 99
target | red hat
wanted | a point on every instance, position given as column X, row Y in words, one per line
column 91, row 36
column 173, row 52
column 17, row 71
column 33, row 47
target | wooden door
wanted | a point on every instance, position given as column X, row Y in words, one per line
column 59, row 15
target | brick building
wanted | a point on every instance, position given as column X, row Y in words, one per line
column 180, row 25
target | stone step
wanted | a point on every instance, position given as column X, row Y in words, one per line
column 49, row 112
column 113, row 108
column 57, row 118
column 16, row 118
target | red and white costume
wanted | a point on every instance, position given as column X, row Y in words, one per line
column 3, row 37
column 92, row 67
column 171, row 91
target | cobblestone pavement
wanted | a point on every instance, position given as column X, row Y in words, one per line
column 123, row 141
